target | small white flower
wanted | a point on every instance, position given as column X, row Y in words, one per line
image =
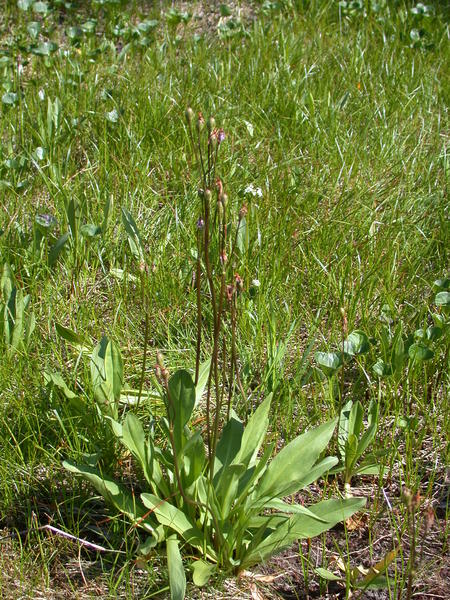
column 250, row 189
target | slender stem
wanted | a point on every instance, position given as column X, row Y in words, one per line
column 199, row 307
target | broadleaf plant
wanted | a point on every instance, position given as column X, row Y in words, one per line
column 217, row 493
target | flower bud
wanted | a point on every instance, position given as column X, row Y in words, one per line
column 200, row 122
column 213, row 139
column 160, row 360
column 211, row 124
column 243, row 212
column 224, row 199
column 208, row 196
column 189, row 114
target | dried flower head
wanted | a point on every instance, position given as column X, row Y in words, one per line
column 243, row 212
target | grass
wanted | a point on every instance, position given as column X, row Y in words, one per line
column 341, row 120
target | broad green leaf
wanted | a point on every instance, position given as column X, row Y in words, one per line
column 443, row 284
column 327, row 575
column 107, row 373
column 292, row 463
column 381, row 368
column 34, row 28
column 343, row 426
column 181, row 403
column 10, row 98
column 57, row 380
column 24, row 4
column 203, row 375
column 433, row 333
column 254, row 434
column 228, row 445
column 114, row 370
column 41, row 7
column 442, row 299
column 56, row 249
column 18, row 328
column 134, row 237
column 356, row 343
column 133, row 437
column 201, row 572
column 90, row 230
column 420, row 352
column 177, row 576
column 171, row 516
column 302, row 526
column 194, row 458
column 45, row 49
column 281, row 506
column 329, row 362
column 355, row 419
column 115, row 494
column 6, row 282
column 69, row 335
column 351, row 448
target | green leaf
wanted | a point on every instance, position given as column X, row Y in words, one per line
column 420, row 352
column 57, row 380
column 90, row 230
column 433, row 333
column 254, row 434
column 10, row 98
column 443, row 284
column 442, row 299
column 115, row 494
column 194, row 458
column 201, row 572
column 34, row 28
column 134, row 237
column 181, row 403
column 171, row 516
column 327, row 575
column 133, row 437
column 381, row 368
column 302, row 526
column 57, row 248
column 203, row 375
column 107, row 374
column 41, row 7
column 6, row 282
column 24, row 4
column 45, row 49
column 357, row 343
column 177, row 576
column 329, row 362
column 69, row 335
column 229, row 444
column 291, row 465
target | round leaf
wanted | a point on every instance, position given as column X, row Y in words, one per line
column 45, row 49
column 10, row 98
column 442, row 299
column 356, row 343
column 329, row 361
column 420, row 352
column 201, row 572
column 381, row 368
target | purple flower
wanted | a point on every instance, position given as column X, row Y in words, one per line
column 220, row 136
column 200, row 223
